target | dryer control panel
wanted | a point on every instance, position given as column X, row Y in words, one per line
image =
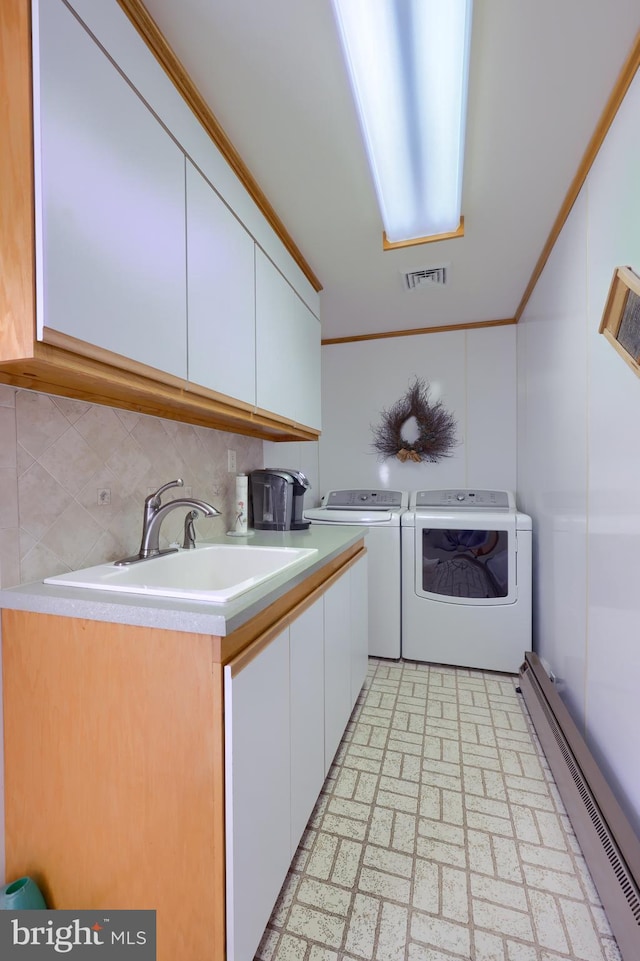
column 471, row 499
column 372, row 500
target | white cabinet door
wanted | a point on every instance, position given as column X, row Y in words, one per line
column 307, row 716
column 110, row 189
column 359, row 626
column 337, row 664
column 220, row 294
column 287, row 349
column 257, row 793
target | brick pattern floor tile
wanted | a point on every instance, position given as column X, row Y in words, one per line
column 439, row 836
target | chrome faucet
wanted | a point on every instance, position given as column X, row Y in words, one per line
column 154, row 514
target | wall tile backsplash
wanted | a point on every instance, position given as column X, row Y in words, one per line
column 74, row 476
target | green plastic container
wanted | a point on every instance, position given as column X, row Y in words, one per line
column 20, row 895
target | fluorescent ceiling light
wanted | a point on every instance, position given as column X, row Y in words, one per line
column 409, row 67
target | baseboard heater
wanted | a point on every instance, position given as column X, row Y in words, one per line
column 610, row 845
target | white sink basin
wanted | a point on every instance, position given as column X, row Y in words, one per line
column 212, row 572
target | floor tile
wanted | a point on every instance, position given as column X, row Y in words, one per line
column 439, row 836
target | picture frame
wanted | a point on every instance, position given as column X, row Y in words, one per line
column 620, row 322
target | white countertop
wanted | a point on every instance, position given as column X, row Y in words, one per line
column 197, row 617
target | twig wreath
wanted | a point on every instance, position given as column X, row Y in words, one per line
column 436, row 428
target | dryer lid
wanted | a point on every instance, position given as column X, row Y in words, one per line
column 329, row 515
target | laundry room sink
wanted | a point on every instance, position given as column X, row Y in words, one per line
column 215, row 573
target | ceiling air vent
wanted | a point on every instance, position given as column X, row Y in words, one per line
column 429, row 277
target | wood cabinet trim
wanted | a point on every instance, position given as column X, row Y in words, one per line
column 443, row 328
column 251, row 651
column 233, row 644
column 17, row 230
column 94, row 376
column 103, row 356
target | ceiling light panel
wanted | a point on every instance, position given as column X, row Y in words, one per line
column 408, row 65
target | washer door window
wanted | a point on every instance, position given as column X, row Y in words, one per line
column 466, row 565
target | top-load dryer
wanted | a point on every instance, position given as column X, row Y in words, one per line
column 466, row 579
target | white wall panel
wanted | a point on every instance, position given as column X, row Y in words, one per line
column 579, row 462
column 552, row 455
column 362, row 379
column 491, row 407
column 613, row 677
column 612, row 700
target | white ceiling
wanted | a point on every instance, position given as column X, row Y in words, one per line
column 541, row 74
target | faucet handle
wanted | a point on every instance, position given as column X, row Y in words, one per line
column 154, row 499
column 189, row 541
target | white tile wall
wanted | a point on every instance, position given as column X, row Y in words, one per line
column 579, row 462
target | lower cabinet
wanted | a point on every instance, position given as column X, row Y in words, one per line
column 346, row 652
column 287, row 703
column 193, row 774
column 337, row 665
column 257, row 790
column 306, row 666
column 359, row 626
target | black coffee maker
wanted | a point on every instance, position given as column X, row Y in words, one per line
column 277, row 495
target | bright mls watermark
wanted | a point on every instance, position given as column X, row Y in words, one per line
column 81, row 935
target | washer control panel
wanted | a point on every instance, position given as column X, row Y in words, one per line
column 372, row 500
column 470, row 499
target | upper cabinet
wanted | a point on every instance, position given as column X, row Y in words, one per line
column 287, row 348
column 161, row 284
column 111, row 243
column 220, row 294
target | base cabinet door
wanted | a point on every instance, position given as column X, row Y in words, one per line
column 359, row 626
column 257, row 792
column 285, row 712
column 337, row 665
column 307, row 716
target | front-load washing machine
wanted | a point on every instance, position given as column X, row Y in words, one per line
column 466, row 579
column 380, row 511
